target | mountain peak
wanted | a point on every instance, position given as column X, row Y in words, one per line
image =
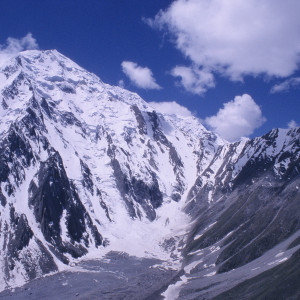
column 86, row 168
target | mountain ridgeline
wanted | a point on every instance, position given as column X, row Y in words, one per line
column 85, row 165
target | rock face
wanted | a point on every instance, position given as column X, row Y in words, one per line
column 85, row 166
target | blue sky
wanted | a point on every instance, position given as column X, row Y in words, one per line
column 201, row 54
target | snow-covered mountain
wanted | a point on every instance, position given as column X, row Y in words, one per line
column 86, row 168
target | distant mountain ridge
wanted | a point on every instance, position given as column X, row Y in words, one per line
column 86, row 167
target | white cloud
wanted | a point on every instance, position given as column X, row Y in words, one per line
column 286, row 85
column 121, row 83
column 171, row 108
column 142, row 77
column 237, row 37
column 292, row 124
column 238, row 118
column 13, row 46
column 194, row 80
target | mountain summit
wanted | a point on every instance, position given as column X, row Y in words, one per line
column 87, row 168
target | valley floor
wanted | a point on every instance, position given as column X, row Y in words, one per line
column 116, row 276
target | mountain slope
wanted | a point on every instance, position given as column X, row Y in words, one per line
column 248, row 217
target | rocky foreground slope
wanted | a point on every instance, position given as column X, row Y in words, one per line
column 86, row 168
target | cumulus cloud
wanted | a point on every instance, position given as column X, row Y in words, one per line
column 286, row 85
column 292, row 124
column 141, row 77
column 238, row 118
column 236, row 38
column 171, row 108
column 13, row 46
column 194, row 80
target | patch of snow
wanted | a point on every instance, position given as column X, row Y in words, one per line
column 191, row 266
column 278, row 261
column 210, row 274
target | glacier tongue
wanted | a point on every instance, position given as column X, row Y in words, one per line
column 86, row 168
